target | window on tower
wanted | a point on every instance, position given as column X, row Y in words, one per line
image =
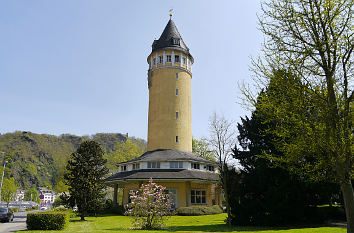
column 154, row 61
column 176, row 115
column 175, row 41
column 168, row 58
column 177, row 58
column 184, row 60
column 176, row 91
column 176, row 76
column 160, row 59
column 176, row 139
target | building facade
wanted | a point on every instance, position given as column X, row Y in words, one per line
column 169, row 160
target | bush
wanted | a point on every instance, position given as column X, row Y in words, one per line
column 47, row 220
column 199, row 210
column 60, row 209
column 118, row 209
column 14, row 209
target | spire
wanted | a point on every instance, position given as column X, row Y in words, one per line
column 170, row 37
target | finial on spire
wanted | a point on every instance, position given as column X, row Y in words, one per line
column 171, row 13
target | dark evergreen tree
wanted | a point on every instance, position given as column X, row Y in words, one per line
column 262, row 193
column 86, row 171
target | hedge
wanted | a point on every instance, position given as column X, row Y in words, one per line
column 199, row 210
column 47, row 220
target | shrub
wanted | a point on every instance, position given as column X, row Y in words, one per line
column 199, row 210
column 14, row 209
column 118, row 209
column 47, row 220
column 60, row 209
column 149, row 206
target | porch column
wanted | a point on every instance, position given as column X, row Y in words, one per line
column 188, row 193
column 115, row 195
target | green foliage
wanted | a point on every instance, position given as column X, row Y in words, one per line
column 40, row 159
column 124, row 151
column 14, row 209
column 262, row 194
column 32, row 194
column 61, row 187
column 201, row 148
column 47, row 220
column 86, row 171
column 9, row 189
column 311, row 43
column 199, row 210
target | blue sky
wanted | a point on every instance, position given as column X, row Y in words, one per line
column 80, row 66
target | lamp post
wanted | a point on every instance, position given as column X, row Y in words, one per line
column 3, row 172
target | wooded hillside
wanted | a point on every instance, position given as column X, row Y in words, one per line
column 40, row 159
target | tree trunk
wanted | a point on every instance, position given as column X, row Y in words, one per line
column 225, row 184
column 348, row 196
column 83, row 216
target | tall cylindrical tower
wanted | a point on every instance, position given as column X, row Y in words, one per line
column 169, row 82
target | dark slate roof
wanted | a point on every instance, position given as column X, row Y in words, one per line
column 165, row 174
column 165, row 155
column 166, row 39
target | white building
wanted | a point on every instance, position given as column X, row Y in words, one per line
column 20, row 195
column 49, row 195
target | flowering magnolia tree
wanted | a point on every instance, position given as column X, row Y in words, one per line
column 150, row 206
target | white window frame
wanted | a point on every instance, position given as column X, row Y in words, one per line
column 152, row 164
column 177, row 59
column 195, row 166
column 168, row 58
column 174, row 195
column 176, row 164
column 200, row 195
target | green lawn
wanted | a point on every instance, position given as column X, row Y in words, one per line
column 208, row 223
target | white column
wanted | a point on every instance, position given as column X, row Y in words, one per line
column 157, row 61
column 164, row 57
column 173, row 58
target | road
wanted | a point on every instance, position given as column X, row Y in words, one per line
column 18, row 224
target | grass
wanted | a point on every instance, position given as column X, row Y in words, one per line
column 207, row 223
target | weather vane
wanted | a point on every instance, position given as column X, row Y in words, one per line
column 171, row 12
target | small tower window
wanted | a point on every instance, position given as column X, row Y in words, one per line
column 175, row 41
column 154, row 61
column 176, row 91
column 176, row 139
column 168, row 58
column 184, row 60
column 160, row 59
column 177, row 58
column 176, row 76
column 176, row 115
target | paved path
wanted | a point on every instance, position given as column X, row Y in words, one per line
column 18, row 224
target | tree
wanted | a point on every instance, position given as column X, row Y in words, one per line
column 85, row 176
column 124, row 151
column 312, row 40
column 9, row 190
column 269, row 195
column 149, row 206
column 32, row 195
column 222, row 140
column 201, row 148
column 61, row 187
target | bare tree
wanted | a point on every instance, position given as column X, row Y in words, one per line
column 222, row 140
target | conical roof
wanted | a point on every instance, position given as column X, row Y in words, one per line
column 170, row 37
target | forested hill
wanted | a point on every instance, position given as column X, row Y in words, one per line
column 40, row 159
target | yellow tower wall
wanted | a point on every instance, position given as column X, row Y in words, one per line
column 163, row 127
